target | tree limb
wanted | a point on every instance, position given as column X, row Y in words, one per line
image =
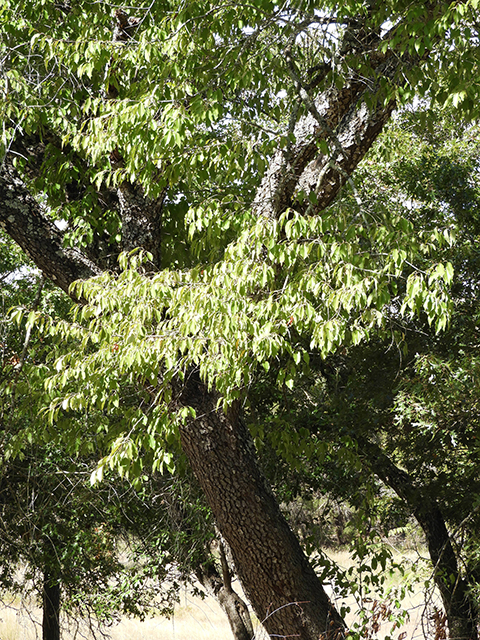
column 22, row 218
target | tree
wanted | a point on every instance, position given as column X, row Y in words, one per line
column 217, row 139
column 405, row 413
column 53, row 524
column 438, row 455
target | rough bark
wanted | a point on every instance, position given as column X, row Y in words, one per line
column 22, row 218
column 342, row 119
column 338, row 116
column 326, row 176
column 281, row 178
column 456, row 595
column 141, row 220
column 51, row 608
column 279, row 582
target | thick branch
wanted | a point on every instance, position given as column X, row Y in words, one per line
column 35, row 148
column 326, row 175
column 280, row 181
column 341, row 118
column 233, row 605
column 22, row 218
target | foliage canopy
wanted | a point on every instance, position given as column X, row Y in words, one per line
column 226, row 142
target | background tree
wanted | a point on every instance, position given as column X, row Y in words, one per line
column 404, row 411
column 58, row 535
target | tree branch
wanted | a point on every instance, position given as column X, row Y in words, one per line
column 22, row 218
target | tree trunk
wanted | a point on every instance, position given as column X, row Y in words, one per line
column 232, row 604
column 51, row 607
column 455, row 591
column 278, row 580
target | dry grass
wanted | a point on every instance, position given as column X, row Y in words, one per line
column 199, row 619
column 194, row 619
column 17, row 624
